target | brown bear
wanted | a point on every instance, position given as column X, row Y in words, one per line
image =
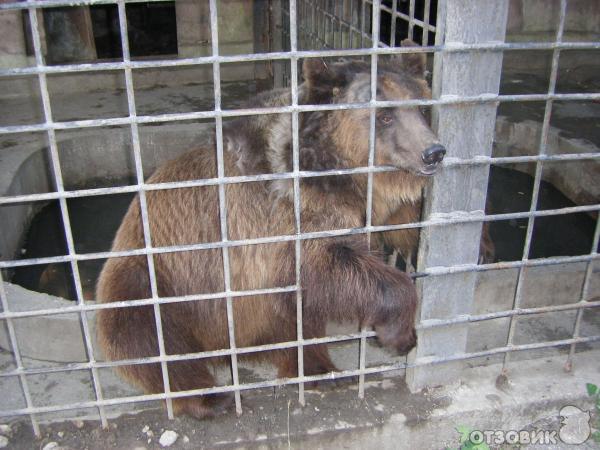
column 405, row 242
column 341, row 279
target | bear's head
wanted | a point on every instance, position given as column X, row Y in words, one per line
column 403, row 137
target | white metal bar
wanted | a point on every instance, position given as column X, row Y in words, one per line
column 426, row 25
column 393, row 24
column 163, row 118
column 411, row 20
column 297, row 202
column 446, row 219
column 142, row 196
column 12, row 337
column 431, row 271
column 427, row 361
column 585, row 299
column 369, row 205
column 537, row 178
column 57, row 176
column 432, row 323
column 214, row 31
column 448, row 162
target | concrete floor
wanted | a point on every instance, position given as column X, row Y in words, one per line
column 389, row 417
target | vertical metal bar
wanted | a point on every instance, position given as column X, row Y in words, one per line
column 214, row 32
column 362, row 23
column 584, row 295
column 314, row 25
column 18, row 359
column 297, row 203
column 457, row 188
column 536, row 182
column 56, row 170
column 426, row 28
column 135, row 137
column 352, row 25
column 369, row 207
column 411, row 20
column 342, row 19
column 393, row 24
column 330, row 14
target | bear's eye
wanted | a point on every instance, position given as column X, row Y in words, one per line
column 385, row 118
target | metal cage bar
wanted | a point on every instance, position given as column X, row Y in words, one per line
column 320, row 18
column 222, row 201
column 585, row 299
column 137, row 153
column 58, row 181
column 297, row 202
column 289, row 381
column 537, row 179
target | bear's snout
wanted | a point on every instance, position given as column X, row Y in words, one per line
column 432, row 157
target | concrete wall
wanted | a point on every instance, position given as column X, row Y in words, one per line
column 526, row 17
column 236, row 36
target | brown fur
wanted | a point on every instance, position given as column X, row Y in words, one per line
column 406, row 241
column 341, row 279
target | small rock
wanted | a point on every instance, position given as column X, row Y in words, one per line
column 61, row 434
column 149, row 440
column 3, row 442
column 168, row 438
column 186, row 439
column 5, row 430
column 145, row 429
column 78, row 424
column 50, row 446
column 150, row 433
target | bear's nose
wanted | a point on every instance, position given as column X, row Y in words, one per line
column 434, row 154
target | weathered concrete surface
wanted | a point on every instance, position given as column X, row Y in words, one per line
column 389, row 417
column 578, row 180
column 12, row 43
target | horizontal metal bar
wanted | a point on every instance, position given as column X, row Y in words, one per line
column 432, row 323
column 448, row 162
column 91, row 306
column 187, row 356
column 271, row 56
column 162, row 118
column 297, row 380
column 432, row 271
column 439, row 220
column 462, row 268
column 467, row 318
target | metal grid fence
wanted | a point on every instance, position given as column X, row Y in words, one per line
column 361, row 33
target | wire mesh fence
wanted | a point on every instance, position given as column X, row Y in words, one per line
column 311, row 29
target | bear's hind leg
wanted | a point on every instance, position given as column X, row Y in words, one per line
column 130, row 333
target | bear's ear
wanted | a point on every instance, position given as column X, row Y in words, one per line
column 317, row 73
column 314, row 69
column 413, row 63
